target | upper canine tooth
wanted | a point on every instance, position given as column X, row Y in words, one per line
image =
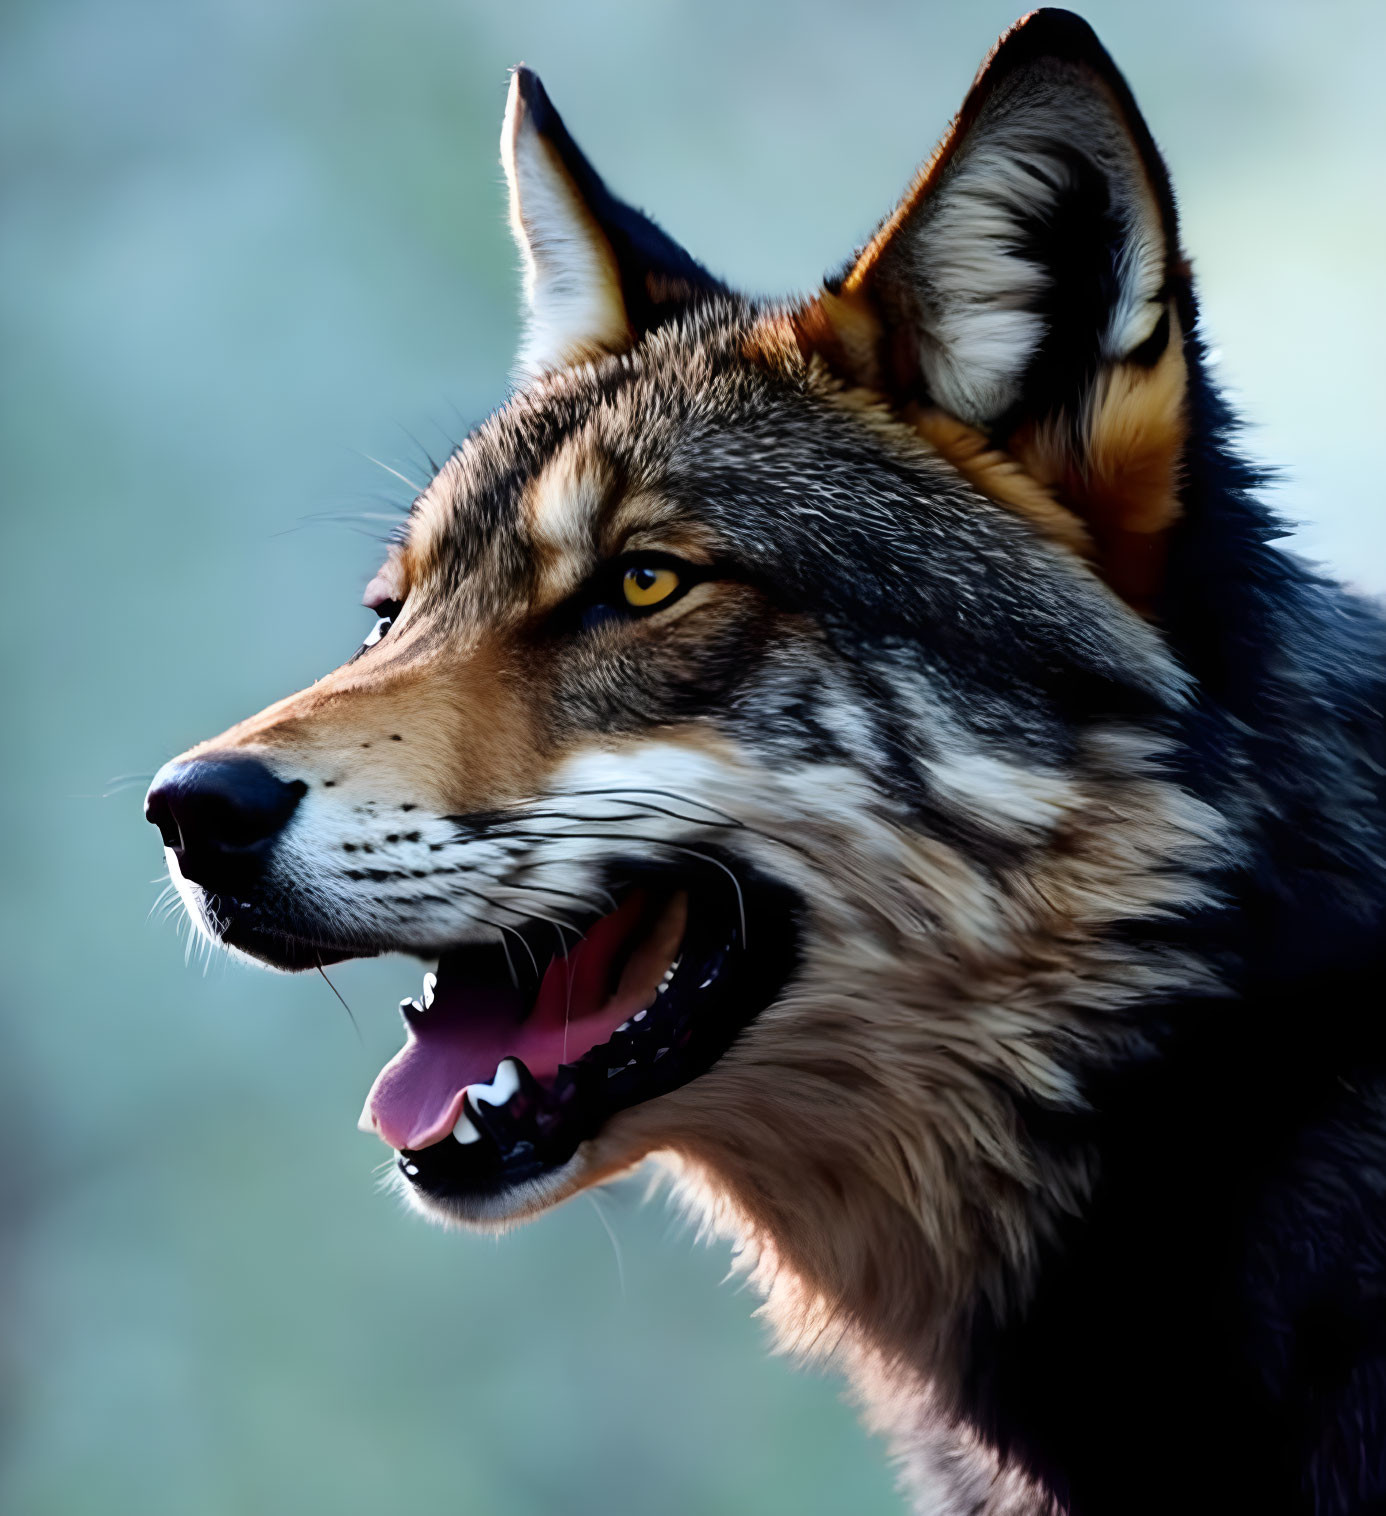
column 504, row 1082
column 464, row 1131
column 430, row 983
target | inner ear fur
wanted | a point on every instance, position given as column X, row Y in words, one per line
column 1025, row 304
column 598, row 274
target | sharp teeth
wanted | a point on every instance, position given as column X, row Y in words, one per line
column 624, row 1026
column 429, row 985
column 464, row 1131
column 661, row 1052
column 406, row 1005
column 411, row 1169
column 504, row 1082
column 640, row 1015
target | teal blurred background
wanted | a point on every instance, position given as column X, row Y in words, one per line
column 245, row 243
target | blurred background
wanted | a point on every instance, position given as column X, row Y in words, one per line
column 245, row 246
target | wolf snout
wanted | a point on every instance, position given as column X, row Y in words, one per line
column 220, row 815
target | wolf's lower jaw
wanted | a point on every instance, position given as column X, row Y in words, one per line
column 511, row 1067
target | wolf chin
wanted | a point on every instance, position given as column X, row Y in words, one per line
column 867, row 752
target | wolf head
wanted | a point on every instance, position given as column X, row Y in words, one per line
column 764, row 723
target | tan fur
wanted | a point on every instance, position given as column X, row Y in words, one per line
column 450, row 734
column 563, row 508
column 1122, row 470
column 1001, row 477
column 846, row 331
column 843, row 336
column 1105, row 488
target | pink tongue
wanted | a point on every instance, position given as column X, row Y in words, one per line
column 417, row 1097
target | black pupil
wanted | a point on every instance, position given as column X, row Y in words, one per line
column 644, row 577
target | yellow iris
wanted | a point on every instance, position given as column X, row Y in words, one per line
column 647, row 585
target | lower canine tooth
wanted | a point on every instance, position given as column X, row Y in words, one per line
column 464, row 1131
column 429, row 985
column 504, row 1082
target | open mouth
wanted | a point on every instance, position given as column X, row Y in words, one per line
column 516, row 1054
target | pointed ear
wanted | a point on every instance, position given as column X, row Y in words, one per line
column 598, row 274
column 1029, row 287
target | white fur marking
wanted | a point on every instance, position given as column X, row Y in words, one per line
column 572, row 286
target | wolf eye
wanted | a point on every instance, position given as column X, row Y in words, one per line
column 633, row 587
column 386, row 611
column 647, row 585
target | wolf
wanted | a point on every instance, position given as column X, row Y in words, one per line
column 868, row 752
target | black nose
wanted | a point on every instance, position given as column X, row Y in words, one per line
column 220, row 815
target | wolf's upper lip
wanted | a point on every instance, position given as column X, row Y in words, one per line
column 465, row 1030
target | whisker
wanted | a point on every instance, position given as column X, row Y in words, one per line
column 500, row 828
column 500, row 925
column 359, row 531
column 120, row 789
column 417, row 488
column 428, row 457
column 645, row 810
column 509, row 961
column 392, row 516
column 350, row 1017
column 615, row 1244
column 161, row 901
column 500, row 905
column 569, row 966
column 118, row 782
column 546, row 889
column 736, row 883
column 688, row 800
column 663, row 842
column 510, row 931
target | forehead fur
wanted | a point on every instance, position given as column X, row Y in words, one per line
column 723, row 432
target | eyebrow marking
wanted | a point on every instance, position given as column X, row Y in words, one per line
column 563, row 505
